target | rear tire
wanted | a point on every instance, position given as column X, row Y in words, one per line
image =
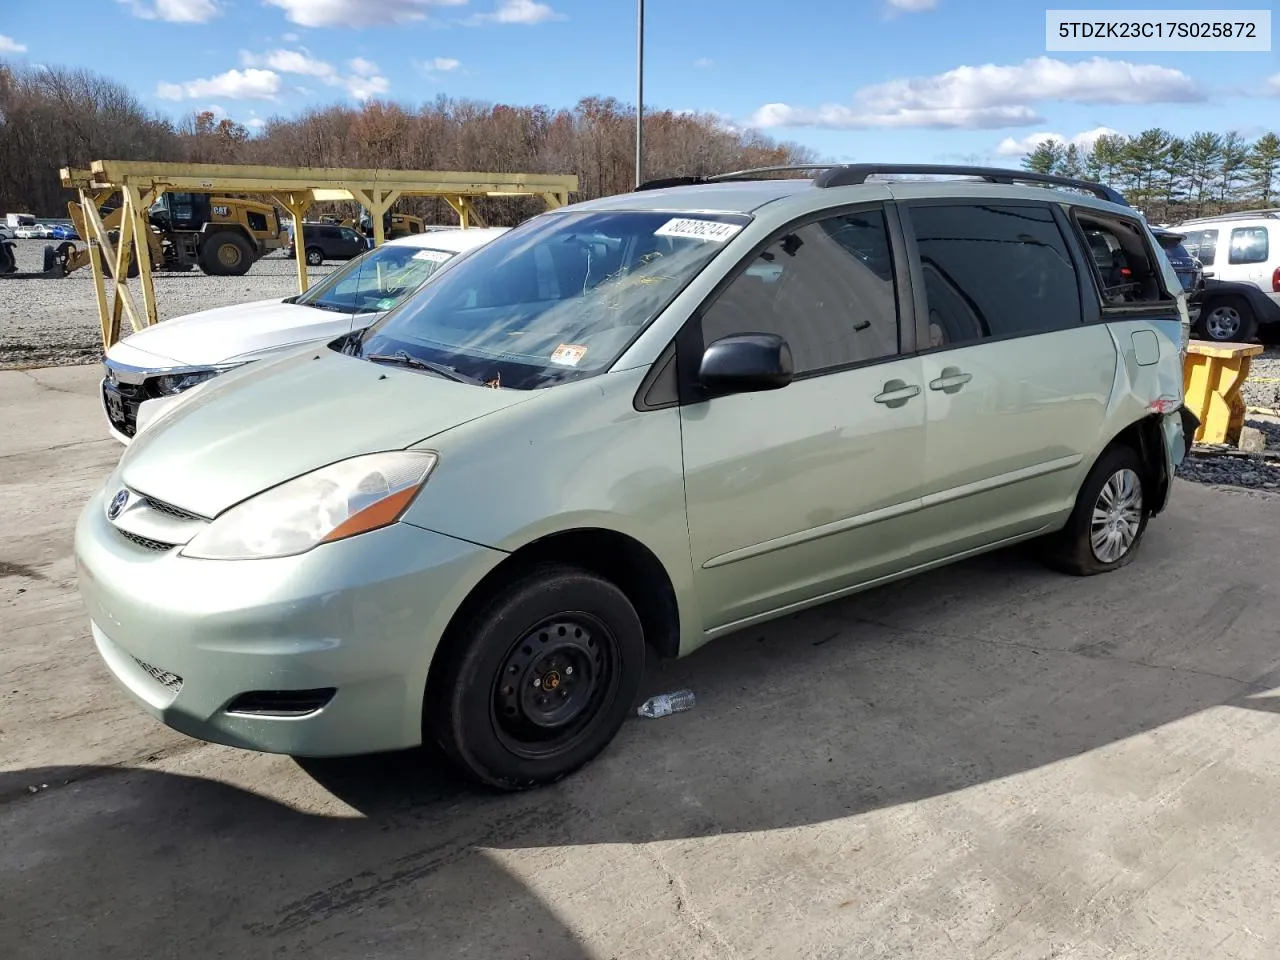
column 225, row 254
column 315, row 256
column 1109, row 519
column 538, row 679
column 1227, row 320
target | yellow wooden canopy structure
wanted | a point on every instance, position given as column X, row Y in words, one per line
column 141, row 183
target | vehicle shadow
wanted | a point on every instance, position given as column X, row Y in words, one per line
column 936, row 684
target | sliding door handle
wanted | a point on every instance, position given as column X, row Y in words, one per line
column 897, row 392
column 950, row 380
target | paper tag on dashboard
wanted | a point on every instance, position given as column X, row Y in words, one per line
column 568, row 354
column 435, row 256
column 691, row 229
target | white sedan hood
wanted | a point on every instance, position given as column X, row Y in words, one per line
column 228, row 333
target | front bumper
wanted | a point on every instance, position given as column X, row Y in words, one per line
column 186, row 637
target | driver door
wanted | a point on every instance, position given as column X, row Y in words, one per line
column 797, row 493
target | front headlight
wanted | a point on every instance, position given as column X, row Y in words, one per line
column 340, row 500
column 174, row 383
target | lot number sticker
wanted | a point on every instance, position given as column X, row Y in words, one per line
column 568, row 354
column 435, row 256
column 692, row 229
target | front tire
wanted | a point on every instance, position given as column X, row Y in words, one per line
column 1108, row 521
column 315, row 256
column 226, row 254
column 538, row 680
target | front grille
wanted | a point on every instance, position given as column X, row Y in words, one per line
column 122, row 401
column 169, row 510
column 170, row 681
column 144, row 542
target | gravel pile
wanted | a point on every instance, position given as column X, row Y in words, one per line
column 1262, row 389
column 48, row 322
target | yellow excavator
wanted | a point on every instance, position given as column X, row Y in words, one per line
column 223, row 236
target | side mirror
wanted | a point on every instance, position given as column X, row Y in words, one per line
column 745, row 363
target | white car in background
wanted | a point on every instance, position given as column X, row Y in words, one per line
column 146, row 372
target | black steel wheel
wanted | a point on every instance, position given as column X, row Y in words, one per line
column 538, row 680
column 553, row 683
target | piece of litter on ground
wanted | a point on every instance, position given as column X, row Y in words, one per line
column 665, row 704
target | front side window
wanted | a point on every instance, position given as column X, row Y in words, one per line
column 992, row 270
column 1203, row 245
column 826, row 288
column 376, row 281
column 557, row 298
column 1248, row 245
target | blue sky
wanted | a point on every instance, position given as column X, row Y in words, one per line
column 902, row 80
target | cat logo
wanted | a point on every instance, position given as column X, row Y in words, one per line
column 220, row 211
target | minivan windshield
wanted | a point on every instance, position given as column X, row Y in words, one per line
column 558, row 298
column 376, row 280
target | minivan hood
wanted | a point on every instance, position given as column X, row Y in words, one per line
column 224, row 333
column 271, row 421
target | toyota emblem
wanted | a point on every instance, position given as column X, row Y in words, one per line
column 117, row 504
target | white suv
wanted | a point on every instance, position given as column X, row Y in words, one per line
column 1241, row 247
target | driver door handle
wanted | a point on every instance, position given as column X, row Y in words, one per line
column 951, row 380
column 897, row 392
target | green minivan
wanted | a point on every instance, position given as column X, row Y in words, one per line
column 627, row 427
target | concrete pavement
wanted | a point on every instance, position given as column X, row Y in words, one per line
column 989, row 761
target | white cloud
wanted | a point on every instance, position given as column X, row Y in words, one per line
column 357, row 13
column 10, row 45
column 365, row 79
column 1084, row 141
column 527, row 12
column 362, row 88
column 290, row 37
column 174, row 11
column 292, row 61
column 217, row 110
column 438, row 65
column 250, row 84
column 255, row 123
column 1273, row 85
column 913, row 6
column 704, row 63
column 991, row 96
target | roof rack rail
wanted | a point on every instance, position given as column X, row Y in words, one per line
column 753, row 173
column 1269, row 213
column 853, row 174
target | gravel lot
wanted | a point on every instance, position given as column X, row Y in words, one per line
column 55, row 322
column 49, row 322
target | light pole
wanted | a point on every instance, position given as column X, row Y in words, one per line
column 639, row 90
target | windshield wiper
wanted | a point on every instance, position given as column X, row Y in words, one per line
column 404, row 359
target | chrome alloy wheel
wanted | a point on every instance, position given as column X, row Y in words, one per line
column 1117, row 516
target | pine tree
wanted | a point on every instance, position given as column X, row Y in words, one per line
column 1263, row 165
column 1072, row 165
column 1045, row 158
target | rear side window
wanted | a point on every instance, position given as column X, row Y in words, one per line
column 826, row 288
column 992, row 270
column 1248, row 245
column 1124, row 271
column 257, row 221
column 1203, row 245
